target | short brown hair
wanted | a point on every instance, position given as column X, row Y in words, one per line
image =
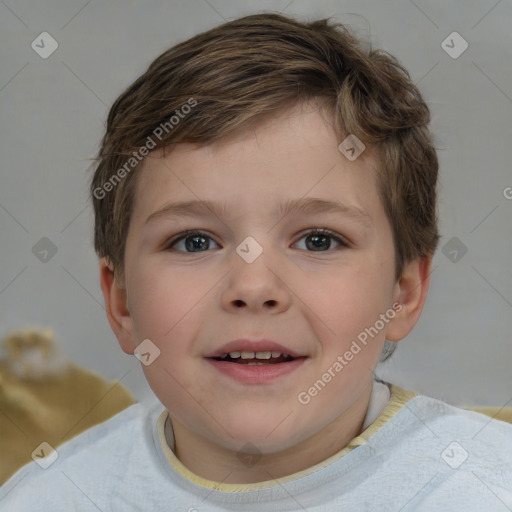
column 257, row 66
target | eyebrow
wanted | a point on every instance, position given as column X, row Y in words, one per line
column 305, row 206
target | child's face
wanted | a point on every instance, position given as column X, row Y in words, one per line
column 304, row 294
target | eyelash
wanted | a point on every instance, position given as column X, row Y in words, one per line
column 314, row 231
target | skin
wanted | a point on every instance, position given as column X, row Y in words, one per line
column 315, row 301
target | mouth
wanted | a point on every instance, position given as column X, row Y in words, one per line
column 255, row 358
column 256, row 371
column 255, row 362
column 244, row 351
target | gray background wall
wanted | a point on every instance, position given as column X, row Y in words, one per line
column 52, row 113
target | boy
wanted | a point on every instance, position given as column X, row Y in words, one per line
column 265, row 207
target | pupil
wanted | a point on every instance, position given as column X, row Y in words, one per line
column 317, row 241
column 195, row 244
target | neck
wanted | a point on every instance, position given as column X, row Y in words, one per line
column 213, row 462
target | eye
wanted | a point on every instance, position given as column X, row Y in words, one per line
column 319, row 240
column 194, row 241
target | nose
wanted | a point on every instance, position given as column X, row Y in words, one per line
column 255, row 287
column 268, row 304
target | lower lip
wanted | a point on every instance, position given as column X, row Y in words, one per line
column 256, row 374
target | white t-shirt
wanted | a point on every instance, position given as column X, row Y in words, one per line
column 415, row 454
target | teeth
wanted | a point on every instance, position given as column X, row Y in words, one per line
column 252, row 355
column 263, row 355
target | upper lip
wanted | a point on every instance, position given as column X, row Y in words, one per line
column 243, row 345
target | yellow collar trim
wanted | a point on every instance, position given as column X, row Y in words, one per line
column 399, row 397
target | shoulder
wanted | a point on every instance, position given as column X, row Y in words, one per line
column 83, row 468
column 481, row 436
column 449, row 456
column 463, row 423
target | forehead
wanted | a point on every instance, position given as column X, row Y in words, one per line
column 281, row 159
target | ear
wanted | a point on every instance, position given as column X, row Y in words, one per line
column 411, row 293
column 118, row 315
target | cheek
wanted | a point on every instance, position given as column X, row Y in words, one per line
column 162, row 302
column 166, row 311
column 346, row 305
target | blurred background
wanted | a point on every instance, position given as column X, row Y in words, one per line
column 63, row 65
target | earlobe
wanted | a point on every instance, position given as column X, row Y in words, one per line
column 410, row 293
column 116, row 307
